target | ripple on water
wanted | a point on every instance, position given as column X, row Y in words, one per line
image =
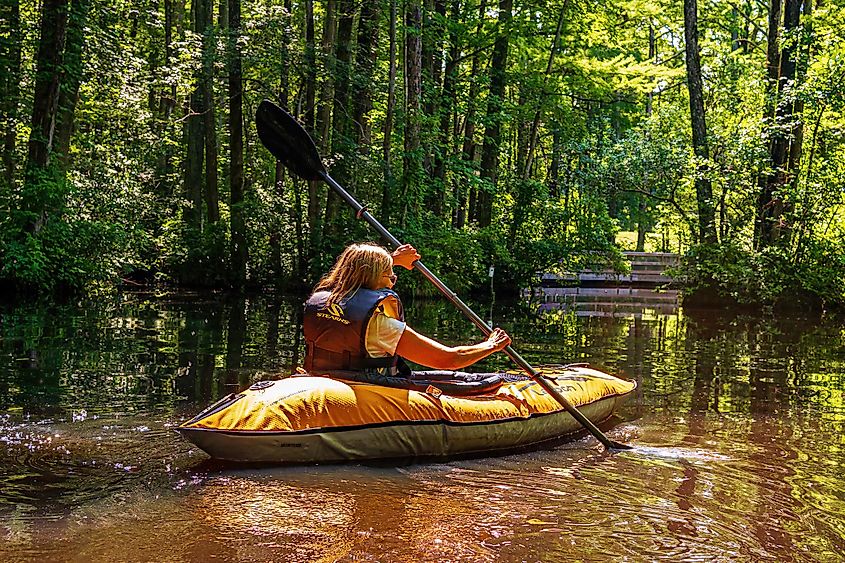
column 48, row 468
column 681, row 504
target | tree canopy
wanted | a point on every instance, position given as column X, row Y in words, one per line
column 517, row 133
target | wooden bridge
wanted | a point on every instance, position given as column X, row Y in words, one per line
column 648, row 269
column 610, row 301
column 600, row 292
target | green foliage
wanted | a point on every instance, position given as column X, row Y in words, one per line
column 773, row 276
column 68, row 253
column 612, row 149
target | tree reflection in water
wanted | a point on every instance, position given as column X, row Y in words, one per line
column 738, row 422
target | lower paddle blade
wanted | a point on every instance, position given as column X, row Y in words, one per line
column 614, row 445
column 285, row 138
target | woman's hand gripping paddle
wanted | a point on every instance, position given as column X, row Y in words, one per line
column 285, row 138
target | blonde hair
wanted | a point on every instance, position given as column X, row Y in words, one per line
column 358, row 265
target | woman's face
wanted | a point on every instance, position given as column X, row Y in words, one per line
column 387, row 279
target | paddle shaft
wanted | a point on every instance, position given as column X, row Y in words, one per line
column 362, row 213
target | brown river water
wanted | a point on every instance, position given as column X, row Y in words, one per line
column 737, row 429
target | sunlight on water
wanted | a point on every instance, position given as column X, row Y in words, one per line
column 736, row 428
column 673, row 453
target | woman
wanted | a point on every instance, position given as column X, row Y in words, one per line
column 354, row 321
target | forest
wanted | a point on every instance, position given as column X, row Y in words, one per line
column 529, row 135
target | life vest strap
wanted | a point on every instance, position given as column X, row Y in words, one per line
column 322, row 359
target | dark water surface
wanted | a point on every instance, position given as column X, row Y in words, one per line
column 738, row 428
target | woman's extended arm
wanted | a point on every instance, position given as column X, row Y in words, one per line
column 420, row 349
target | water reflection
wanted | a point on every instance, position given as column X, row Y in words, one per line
column 737, row 426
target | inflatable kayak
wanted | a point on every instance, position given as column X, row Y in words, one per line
column 316, row 419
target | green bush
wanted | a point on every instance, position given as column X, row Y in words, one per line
column 775, row 275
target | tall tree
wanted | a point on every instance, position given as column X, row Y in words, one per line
column 44, row 112
column 763, row 214
column 366, row 59
column 495, row 115
column 703, row 187
column 388, row 119
column 71, row 78
column 195, row 131
column 310, row 85
column 324, row 115
column 535, row 124
column 341, row 109
column 448, row 93
column 786, row 135
column 466, row 200
column 174, row 14
column 412, row 161
column 209, row 42
column 438, row 107
column 279, row 176
column 239, row 249
column 10, row 78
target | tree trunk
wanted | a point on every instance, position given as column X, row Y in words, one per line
column 447, row 96
column 762, row 222
column 554, row 169
column 774, row 209
column 340, row 128
column 447, row 112
column 366, row 60
column 310, row 59
column 521, row 189
column 209, row 39
column 71, row 78
column 388, row 120
column 786, row 146
column 642, row 224
column 223, row 15
column 324, row 116
column 431, row 37
column 703, row 188
column 153, row 30
column 518, row 143
column 279, row 176
column 466, row 202
column 535, row 125
column 167, row 96
column 443, row 106
column 195, row 134
column 495, row 105
column 412, row 162
column 239, row 248
column 310, row 121
column 428, row 38
column 773, row 56
column 10, row 74
column 48, row 71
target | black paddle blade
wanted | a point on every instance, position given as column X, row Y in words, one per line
column 285, row 138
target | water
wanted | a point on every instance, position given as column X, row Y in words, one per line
column 737, row 427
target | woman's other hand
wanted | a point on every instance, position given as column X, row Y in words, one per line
column 499, row 339
column 405, row 256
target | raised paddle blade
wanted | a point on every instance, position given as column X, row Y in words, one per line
column 285, row 138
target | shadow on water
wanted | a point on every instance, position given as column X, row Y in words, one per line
column 737, row 426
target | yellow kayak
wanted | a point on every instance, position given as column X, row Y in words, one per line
column 308, row 419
